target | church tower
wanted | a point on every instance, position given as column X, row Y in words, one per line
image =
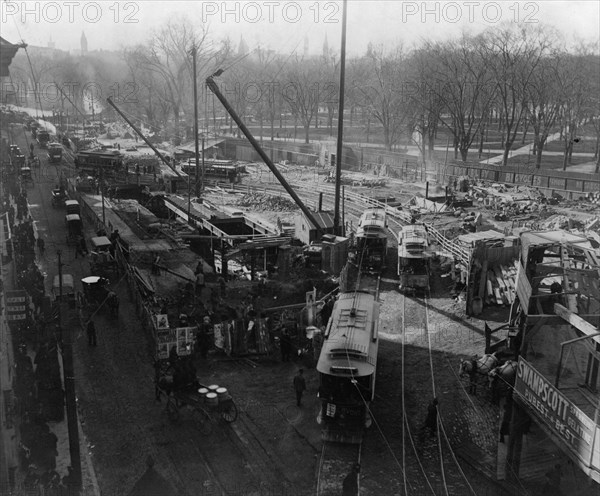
column 242, row 47
column 326, row 49
column 84, row 45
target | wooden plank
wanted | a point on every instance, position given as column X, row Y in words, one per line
column 498, row 296
column 576, row 321
column 499, row 277
column 490, row 291
column 482, row 283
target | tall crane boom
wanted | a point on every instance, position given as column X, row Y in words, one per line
column 160, row 155
column 215, row 89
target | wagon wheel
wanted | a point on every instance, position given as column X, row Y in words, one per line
column 172, row 410
column 201, row 420
column 229, row 411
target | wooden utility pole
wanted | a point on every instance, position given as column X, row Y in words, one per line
column 340, row 137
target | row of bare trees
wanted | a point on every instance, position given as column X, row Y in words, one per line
column 505, row 82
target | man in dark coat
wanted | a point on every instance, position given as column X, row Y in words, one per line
column 91, row 333
column 286, row 346
column 350, row 485
column 431, row 419
column 299, row 386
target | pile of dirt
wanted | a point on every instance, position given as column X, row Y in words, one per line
column 261, row 202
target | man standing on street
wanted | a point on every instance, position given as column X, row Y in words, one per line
column 91, row 333
column 431, row 420
column 299, row 386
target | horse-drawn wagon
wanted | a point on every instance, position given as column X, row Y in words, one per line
column 64, row 290
column 96, row 293
column 74, row 229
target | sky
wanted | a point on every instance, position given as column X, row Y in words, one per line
column 284, row 25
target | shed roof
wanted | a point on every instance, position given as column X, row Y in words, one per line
column 324, row 219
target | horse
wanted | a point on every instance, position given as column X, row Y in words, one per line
column 502, row 379
column 483, row 366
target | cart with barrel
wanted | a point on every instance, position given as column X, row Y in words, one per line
column 205, row 405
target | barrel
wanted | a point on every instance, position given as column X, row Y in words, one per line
column 222, row 394
column 213, row 388
column 203, row 392
column 212, row 399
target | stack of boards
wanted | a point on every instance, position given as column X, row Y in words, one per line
column 501, row 284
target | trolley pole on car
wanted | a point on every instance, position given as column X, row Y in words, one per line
column 69, row 381
column 340, row 137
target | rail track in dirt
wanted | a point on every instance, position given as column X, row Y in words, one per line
column 430, row 465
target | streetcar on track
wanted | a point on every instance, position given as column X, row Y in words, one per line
column 371, row 240
column 346, row 367
column 216, row 170
column 99, row 162
column 413, row 259
column 55, row 151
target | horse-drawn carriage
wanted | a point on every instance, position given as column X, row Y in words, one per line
column 26, row 175
column 206, row 404
column 103, row 260
column 59, row 197
column 96, row 293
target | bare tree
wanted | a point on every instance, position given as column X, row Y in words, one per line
column 383, row 94
column 576, row 103
column 543, row 102
column 459, row 77
column 513, row 54
column 300, row 90
column 167, row 55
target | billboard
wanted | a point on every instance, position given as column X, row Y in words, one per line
column 16, row 306
column 565, row 420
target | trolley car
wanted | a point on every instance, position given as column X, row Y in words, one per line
column 216, row 170
column 371, row 240
column 347, row 366
column 413, row 259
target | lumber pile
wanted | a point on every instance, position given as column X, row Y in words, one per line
column 500, row 285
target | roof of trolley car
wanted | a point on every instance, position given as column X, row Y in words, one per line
column 373, row 217
column 351, row 346
column 371, row 232
column 72, row 217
